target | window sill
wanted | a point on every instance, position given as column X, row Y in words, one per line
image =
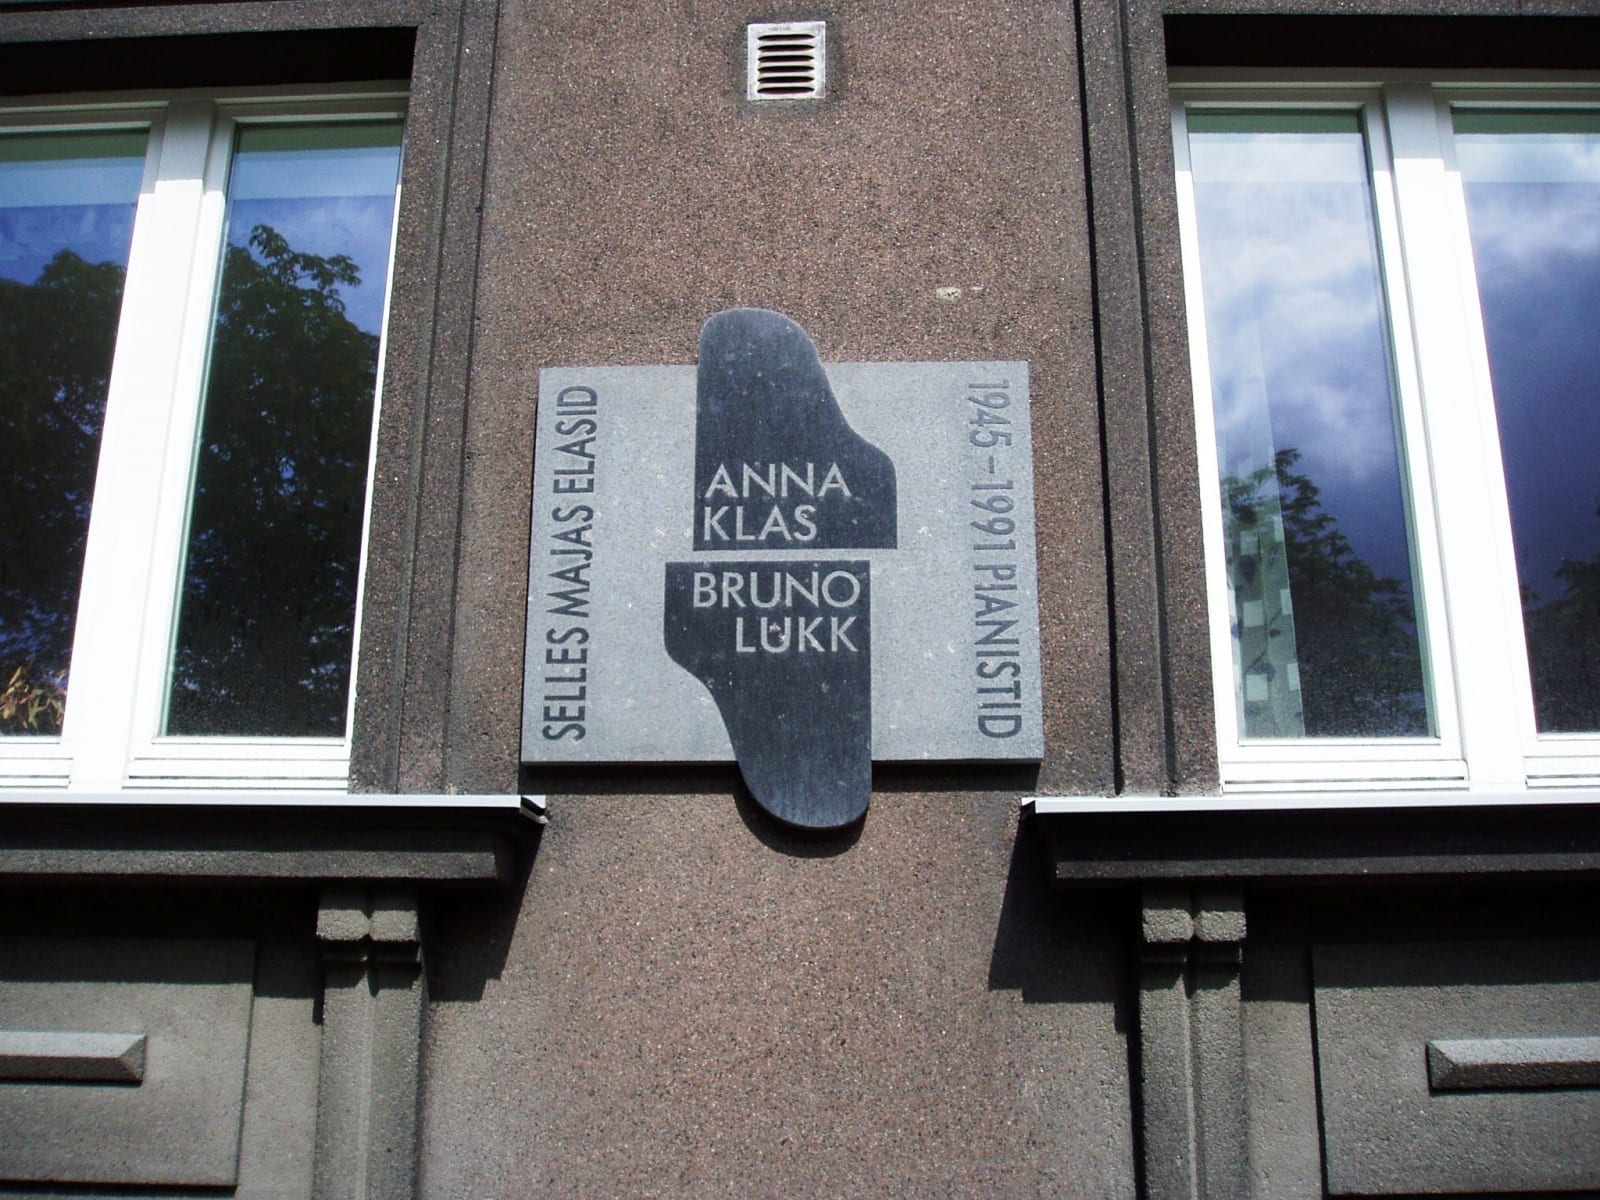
column 1283, row 801
column 222, row 797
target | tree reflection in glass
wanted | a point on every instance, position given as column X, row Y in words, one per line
column 265, row 632
column 1322, row 600
column 1532, row 183
column 66, row 221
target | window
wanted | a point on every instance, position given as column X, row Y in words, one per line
column 1393, row 291
column 192, row 305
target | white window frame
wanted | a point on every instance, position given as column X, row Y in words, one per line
column 1474, row 652
column 111, row 740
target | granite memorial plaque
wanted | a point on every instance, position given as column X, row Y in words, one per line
column 801, row 567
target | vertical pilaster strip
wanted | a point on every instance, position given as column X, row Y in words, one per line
column 1170, row 1141
column 403, row 689
column 424, row 737
column 372, row 1002
column 421, row 287
column 1124, row 383
column 1216, row 1016
column 1166, row 736
column 1191, row 731
column 1191, row 1050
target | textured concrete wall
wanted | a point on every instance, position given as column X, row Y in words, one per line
column 687, row 1005
column 682, row 1001
column 632, row 192
column 676, row 998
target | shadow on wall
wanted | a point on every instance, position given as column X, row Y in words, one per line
column 1053, row 947
column 1057, row 947
column 468, row 933
column 723, row 779
column 937, row 778
column 712, row 780
column 718, row 779
column 790, row 840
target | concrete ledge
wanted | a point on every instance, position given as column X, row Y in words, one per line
column 1100, row 840
column 1329, row 801
column 404, row 841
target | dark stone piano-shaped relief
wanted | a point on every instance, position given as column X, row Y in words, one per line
column 782, row 641
column 776, row 466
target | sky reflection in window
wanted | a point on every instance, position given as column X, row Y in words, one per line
column 1532, row 183
column 1323, row 610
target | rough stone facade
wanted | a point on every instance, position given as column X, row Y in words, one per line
column 637, row 984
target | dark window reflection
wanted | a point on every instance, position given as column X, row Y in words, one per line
column 265, row 632
column 1322, row 605
column 1532, row 184
column 66, row 221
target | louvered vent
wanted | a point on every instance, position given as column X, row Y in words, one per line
column 787, row 60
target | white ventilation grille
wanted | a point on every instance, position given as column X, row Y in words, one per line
column 787, row 60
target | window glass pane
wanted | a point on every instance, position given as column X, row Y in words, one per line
column 66, row 220
column 1319, row 551
column 265, row 629
column 1532, row 184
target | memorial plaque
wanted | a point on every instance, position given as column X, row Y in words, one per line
column 801, row 567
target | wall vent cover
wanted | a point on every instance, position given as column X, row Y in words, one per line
column 787, row 60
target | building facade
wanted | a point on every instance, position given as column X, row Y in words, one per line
column 1299, row 899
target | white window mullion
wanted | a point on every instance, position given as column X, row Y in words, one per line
column 171, row 514
column 122, row 527
column 1469, row 492
column 1438, row 665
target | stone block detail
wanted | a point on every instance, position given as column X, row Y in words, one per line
column 372, row 1000
column 1191, row 1050
column 72, row 1057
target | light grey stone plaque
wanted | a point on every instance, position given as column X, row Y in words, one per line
column 954, row 661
